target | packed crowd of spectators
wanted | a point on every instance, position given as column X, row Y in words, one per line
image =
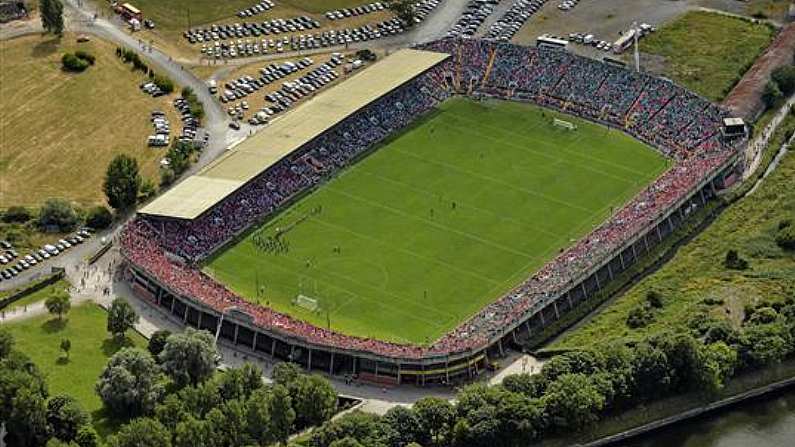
column 677, row 122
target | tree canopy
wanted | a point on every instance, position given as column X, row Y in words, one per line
column 122, row 182
column 189, row 357
column 121, row 317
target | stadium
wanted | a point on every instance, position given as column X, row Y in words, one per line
column 409, row 224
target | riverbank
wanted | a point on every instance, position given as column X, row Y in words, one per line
column 618, row 429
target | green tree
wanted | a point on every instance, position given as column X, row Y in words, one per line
column 66, row 346
column 405, row 426
column 72, row 63
column 130, row 385
column 404, row 10
column 65, row 417
column 122, row 182
column 572, row 401
column 529, row 385
column 172, row 411
column 760, row 345
column 719, row 361
column 240, row 383
column 28, row 420
column 121, row 317
column 437, row 416
column 193, row 432
column 157, row 342
column 366, row 428
column 346, row 442
column 651, row 374
column 58, row 303
column 58, row 214
column 282, row 413
column 286, row 373
column 141, row 432
column 6, row 343
column 771, row 94
column 270, row 415
column 51, row 12
column 199, row 400
column 87, row 437
column 189, row 357
column 21, row 381
column 784, row 77
column 313, row 399
column 228, row 424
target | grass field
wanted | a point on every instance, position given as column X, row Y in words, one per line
column 84, row 326
column 60, row 130
column 427, row 230
column 697, row 272
column 39, row 295
column 702, row 50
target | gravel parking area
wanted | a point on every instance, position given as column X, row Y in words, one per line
column 605, row 19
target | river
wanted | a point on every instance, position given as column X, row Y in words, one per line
column 765, row 423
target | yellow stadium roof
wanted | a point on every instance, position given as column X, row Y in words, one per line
column 200, row 192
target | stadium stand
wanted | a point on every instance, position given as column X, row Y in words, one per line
column 162, row 251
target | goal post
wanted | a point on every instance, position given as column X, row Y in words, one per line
column 306, row 302
column 563, row 124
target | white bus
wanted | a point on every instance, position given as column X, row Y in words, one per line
column 551, row 42
column 624, row 42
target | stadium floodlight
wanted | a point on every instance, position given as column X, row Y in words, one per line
column 636, row 32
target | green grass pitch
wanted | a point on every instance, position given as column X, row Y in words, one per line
column 440, row 221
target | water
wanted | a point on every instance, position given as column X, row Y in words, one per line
column 765, row 423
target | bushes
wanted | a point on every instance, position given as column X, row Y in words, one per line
column 16, row 214
column 179, row 160
column 78, row 61
column 131, row 57
column 196, row 107
column 99, row 218
column 73, row 63
column 771, row 94
column 640, row 316
column 734, row 261
column 784, row 77
column 86, row 56
column 163, row 83
column 785, row 237
column 57, row 215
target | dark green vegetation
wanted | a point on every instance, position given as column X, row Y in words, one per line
column 704, row 51
column 133, row 398
column 698, row 287
column 40, row 339
column 576, row 392
column 425, row 231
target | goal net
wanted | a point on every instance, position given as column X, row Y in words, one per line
column 306, row 302
column 563, row 124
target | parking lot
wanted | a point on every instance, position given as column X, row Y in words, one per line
column 606, row 19
column 258, row 92
column 14, row 262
